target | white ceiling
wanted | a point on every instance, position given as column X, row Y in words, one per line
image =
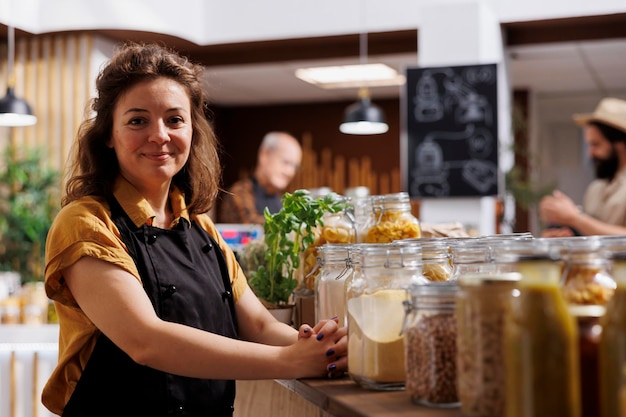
column 597, row 67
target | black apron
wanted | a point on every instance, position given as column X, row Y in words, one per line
column 184, row 273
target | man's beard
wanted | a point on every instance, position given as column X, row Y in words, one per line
column 606, row 168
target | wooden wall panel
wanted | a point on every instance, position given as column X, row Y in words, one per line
column 52, row 74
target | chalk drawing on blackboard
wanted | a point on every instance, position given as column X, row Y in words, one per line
column 482, row 175
column 469, row 106
column 452, row 131
column 431, row 172
column 481, row 143
column 429, row 106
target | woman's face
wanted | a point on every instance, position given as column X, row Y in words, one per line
column 152, row 132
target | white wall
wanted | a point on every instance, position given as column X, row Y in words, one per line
column 219, row 21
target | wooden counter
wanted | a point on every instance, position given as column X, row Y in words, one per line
column 326, row 398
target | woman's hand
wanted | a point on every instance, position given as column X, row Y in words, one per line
column 335, row 356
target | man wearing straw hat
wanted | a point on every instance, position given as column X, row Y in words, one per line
column 604, row 202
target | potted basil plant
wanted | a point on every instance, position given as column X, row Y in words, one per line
column 287, row 233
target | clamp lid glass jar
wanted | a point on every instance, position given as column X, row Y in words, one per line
column 375, row 299
column 587, row 277
column 393, row 220
column 483, row 301
column 335, row 228
column 430, row 345
column 436, row 259
column 541, row 347
column 336, row 267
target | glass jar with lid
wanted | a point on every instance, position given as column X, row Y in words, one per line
column 336, row 267
column 375, row 299
column 541, row 345
column 613, row 340
column 587, row 278
column 483, row 301
column 471, row 256
column 393, row 220
column 436, row 262
column 430, row 344
column 336, row 228
column 588, row 318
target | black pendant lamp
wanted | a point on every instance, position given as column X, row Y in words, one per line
column 13, row 110
column 363, row 117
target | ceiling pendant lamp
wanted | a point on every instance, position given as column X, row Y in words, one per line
column 13, row 110
column 363, row 117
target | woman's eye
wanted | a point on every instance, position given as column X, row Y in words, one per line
column 136, row 122
column 176, row 120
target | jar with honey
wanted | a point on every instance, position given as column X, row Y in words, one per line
column 541, row 338
column 613, row 341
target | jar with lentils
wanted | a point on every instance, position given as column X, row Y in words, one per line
column 430, row 345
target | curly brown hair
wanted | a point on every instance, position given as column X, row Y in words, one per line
column 94, row 166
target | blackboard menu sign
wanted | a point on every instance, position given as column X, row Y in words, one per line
column 452, row 127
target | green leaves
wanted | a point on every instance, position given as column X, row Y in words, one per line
column 28, row 194
column 287, row 234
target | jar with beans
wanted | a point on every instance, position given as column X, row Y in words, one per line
column 393, row 220
column 430, row 345
column 483, row 301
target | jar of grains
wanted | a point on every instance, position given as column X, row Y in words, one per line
column 483, row 301
column 336, row 266
column 430, row 345
column 393, row 220
column 374, row 300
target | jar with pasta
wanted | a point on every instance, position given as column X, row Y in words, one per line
column 336, row 228
column 393, row 220
column 375, row 306
column 436, row 259
column 587, row 278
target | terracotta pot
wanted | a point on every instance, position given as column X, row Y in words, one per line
column 283, row 313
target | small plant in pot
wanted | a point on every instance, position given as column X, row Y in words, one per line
column 287, row 234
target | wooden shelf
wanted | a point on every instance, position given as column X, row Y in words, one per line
column 327, row 398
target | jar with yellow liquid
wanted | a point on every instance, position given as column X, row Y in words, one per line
column 541, row 338
column 375, row 307
column 613, row 342
column 392, row 220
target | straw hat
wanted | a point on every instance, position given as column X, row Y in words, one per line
column 610, row 111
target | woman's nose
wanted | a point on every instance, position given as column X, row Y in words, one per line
column 159, row 133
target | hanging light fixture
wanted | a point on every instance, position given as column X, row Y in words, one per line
column 363, row 117
column 14, row 111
